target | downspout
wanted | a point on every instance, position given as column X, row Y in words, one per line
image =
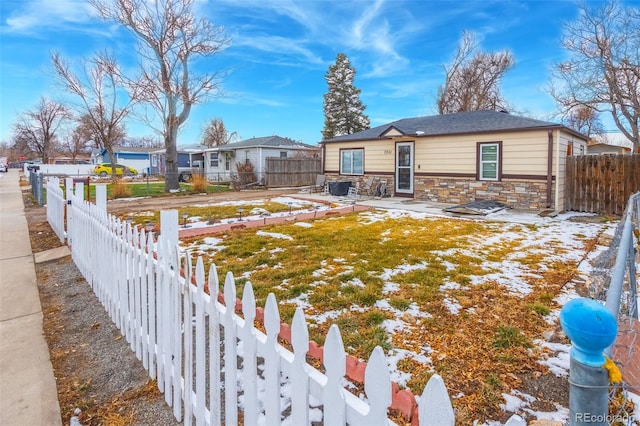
column 549, row 167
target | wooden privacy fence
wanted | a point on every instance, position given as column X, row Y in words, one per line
column 601, row 183
column 294, row 171
column 210, row 362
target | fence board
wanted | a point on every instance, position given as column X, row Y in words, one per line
column 601, row 183
column 230, row 352
column 272, row 362
column 283, row 172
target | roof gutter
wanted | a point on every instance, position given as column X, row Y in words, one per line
column 549, row 167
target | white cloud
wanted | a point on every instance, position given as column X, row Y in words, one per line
column 33, row 16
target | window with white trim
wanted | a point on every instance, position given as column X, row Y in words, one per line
column 352, row 161
column 489, row 161
column 213, row 160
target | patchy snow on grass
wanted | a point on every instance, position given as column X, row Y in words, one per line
column 303, row 224
column 452, row 305
column 560, row 415
column 396, row 355
column 353, row 282
column 515, row 401
column 387, row 273
column 275, row 235
column 556, row 358
column 517, row 240
column 325, row 316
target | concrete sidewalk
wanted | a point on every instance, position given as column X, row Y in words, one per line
column 28, row 394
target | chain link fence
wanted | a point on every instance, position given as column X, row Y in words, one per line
column 615, row 279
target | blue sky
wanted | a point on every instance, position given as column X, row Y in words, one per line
column 281, row 50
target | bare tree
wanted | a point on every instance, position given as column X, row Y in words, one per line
column 98, row 85
column 472, row 82
column 584, row 119
column 171, row 39
column 603, row 68
column 216, row 134
column 37, row 129
column 75, row 143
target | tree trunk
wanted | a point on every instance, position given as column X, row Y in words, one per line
column 171, row 180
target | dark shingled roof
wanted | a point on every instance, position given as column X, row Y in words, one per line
column 451, row 124
column 266, row 141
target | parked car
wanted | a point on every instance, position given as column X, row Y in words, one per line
column 106, row 169
column 4, row 165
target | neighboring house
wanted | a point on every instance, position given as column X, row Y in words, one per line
column 138, row 158
column 221, row 161
column 460, row 158
column 603, row 148
column 190, row 160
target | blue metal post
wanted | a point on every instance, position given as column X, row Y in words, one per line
column 591, row 328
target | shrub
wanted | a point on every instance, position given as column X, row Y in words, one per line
column 119, row 189
column 199, row 183
column 246, row 175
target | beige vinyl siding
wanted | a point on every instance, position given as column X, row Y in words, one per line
column 378, row 155
column 526, row 153
column 522, row 153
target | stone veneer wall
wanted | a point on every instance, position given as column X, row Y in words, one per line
column 517, row 194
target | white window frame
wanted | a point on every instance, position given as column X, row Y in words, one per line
column 347, row 164
column 214, row 160
column 482, row 162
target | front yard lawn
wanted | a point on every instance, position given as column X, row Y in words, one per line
column 469, row 300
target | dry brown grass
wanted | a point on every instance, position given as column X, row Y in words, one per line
column 482, row 352
column 119, row 189
column 199, row 183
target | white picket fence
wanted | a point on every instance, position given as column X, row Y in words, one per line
column 55, row 207
column 209, row 361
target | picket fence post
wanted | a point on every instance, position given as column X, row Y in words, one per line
column 434, row 406
column 335, row 364
column 230, row 352
column 215, row 400
column 249, row 358
column 272, row 362
column 187, row 340
column 299, row 375
column 200, row 353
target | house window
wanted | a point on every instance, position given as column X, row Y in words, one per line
column 213, row 160
column 352, row 161
column 489, row 161
column 283, row 154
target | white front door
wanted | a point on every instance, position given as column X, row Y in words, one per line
column 404, row 168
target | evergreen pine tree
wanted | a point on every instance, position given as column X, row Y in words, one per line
column 343, row 110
